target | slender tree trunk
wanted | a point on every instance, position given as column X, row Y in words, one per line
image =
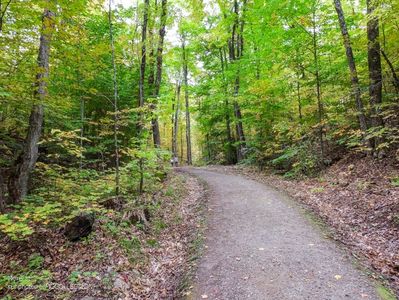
column 352, row 66
column 81, row 102
column 188, row 123
column 116, row 110
column 298, row 92
column 3, row 10
column 2, row 193
column 18, row 181
column 208, row 146
column 395, row 78
column 158, row 78
column 143, row 53
column 82, row 121
column 231, row 154
column 173, row 124
column 181, row 144
column 151, row 40
column 318, row 86
column 236, row 50
column 151, row 66
column 375, row 70
column 176, row 125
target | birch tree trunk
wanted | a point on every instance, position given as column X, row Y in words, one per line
column 25, row 163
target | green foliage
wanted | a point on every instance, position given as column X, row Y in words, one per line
column 35, row 261
column 395, row 181
column 38, row 279
column 298, row 160
column 285, row 126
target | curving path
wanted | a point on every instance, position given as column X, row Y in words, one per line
column 260, row 246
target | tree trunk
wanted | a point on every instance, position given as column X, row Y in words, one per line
column 151, row 55
column 143, row 54
column 2, row 193
column 3, row 11
column 375, row 71
column 318, row 86
column 18, row 181
column 158, row 78
column 236, row 51
column 231, row 154
column 176, row 126
column 298, row 92
column 395, row 78
column 116, row 110
column 188, row 123
column 352, row 66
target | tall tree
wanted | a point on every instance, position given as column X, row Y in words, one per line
column 115, row 104
column 175, row 119
column 236, row 45
column 158, row 78
column 188, row 123
column 143, row 53
column 375, row 69
column 19, row 179
column 352, row 66
column 320, row 106
column 231, row 153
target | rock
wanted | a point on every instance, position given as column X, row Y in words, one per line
column 79, row 227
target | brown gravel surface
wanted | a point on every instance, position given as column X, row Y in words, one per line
column 260, row 246
column 358, row 200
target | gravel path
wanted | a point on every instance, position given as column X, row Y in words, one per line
column 260, row 246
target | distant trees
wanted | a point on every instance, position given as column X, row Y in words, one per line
column 289, row 83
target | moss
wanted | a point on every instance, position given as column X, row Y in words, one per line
column 385, row 293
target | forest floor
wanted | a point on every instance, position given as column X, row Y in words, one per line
column 260, row 245
column 119, row 260
column 358, row 199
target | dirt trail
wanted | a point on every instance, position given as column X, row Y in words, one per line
column 260, row 246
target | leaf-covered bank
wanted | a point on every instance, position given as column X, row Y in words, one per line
column 125, row 257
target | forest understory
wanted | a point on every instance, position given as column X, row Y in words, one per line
column 122, row 259
column 357, row 200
